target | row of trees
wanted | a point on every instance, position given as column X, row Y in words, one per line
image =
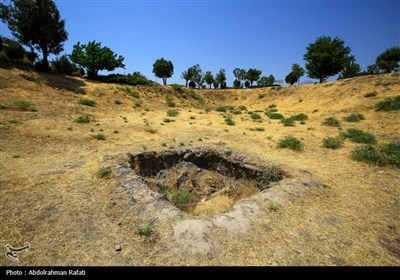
column 37, row 25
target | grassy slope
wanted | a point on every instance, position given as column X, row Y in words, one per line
column 50, row 195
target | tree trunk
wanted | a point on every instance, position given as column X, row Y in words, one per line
column 210, row 86
column 186, row 82
column 321, row 80
column 164, row 79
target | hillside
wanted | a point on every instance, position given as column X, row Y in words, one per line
column 328, row 210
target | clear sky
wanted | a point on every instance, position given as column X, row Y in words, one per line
column 267, row 35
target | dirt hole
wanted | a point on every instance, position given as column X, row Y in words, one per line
column 201, row 180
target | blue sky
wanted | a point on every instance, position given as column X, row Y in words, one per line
column 267, row 35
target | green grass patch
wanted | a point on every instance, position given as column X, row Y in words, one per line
column 358, row 136
column 389, row 104
column 99, row 136
column 85, row 119
column 287, row 122
column 229, row 121
column 172, row 113
column 299, row 117
column 182, row 199
column 355, row 117
column 87, row 102
column 331, row 121
column 104, row 172
column 291, row 142
column 146, row 231
column 385, row 154
column 221, row 109
column 255, row 116
column 274, row 116
column 23, row 105
column 332, row 142
column 168, row 120
column 170, row 101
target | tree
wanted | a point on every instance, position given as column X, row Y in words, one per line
column 197, row 76
column 290, row 78
column 389, row 60
column 351, row 69
column 209, row 78
column 266, row 81
column 36, row 24
column 236, row 84
column 326, row 57
column 164, row 69
column 94, row 58
column 240, row 75
column 253, row 75
column 297, row 71
column 220, row 78
column 187, row 75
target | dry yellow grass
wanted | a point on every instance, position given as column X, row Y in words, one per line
column 51, row 197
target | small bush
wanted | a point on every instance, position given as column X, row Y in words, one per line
column 146, row 231
column 299, row 117
column 2, row 106
column 23, row 105
column 137, row 105
column 99, row 136
column 170, row 101
column 291, row 142
column 14, row 50
column 182, row 198
column 331, row 121
column 242, row 107
column 359, row 136
column 370, row 94
column 104, row 172
column 255, row 116
column 172, row 113
column 167, row 120
column 259, row 129
column 271, row 106
column 274, row 116
column 261, row 96
column 87, row 102
column 332, row 142
column 118, row 102
column 389, row 104
column 287, row 122
column 355, row 117
column 229, row 121
column 221, row 108
column 64, row 66
column 177, row 88
column 271, row 110
column 151, row 130
column 391, row 153
column 228, row 153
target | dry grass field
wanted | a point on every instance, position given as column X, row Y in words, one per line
column 51, row 196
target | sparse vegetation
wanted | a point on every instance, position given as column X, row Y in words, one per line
column 228, row 153
column 85, row 119
column 172, row 113
column 332, row 142
column 355, row 117
column 358, row 136
column 229, row 121
column 146, row 231
column 170, row 101
column 370, row 94
column 273, row 207
column 151, row 130
column 274, row 116
column 99, row 136
column 273, row 174
column 385, row 154
column 389, row 104
column 87, row 102
column 331, row 121
column 118, row 102
column 168, row 120
column 299, row 117
column 23, row 105
column 221, row 109
column 255, row 116
column 2, row 106
column 104, row 172
column 287, row 122
column 291, row 142
column 182, row 198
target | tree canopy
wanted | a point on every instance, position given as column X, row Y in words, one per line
column 351, row 69
column 94, row 58
column 164, row 69
column 220, row 78
column 389, row 60
column 266, row 81
column 253, row 75
column 209, row 78
column 326, row 57
column 36, row 24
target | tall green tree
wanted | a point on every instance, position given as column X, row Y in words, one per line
column 187, row 75
column 266, row 81
column 297, row 71
column 290, row 78
column 197, row 76
column 164, row 69
column 209, row 78
column 94, row 58
column 220, row 78
column 253, row 75
column 389, row 60
column 351, row 69
column 36, row 24
column 326, row 57
column 240, row 75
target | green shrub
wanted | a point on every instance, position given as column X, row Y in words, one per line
column 99, row 136
column 168, row 120
column 359, row 136
column 2, row 106
column 146, row 231
column 104, row 172
column 299, row 117
column 271, row 110
column 228, row 153
column 118, row 102
column 221, row 108
column 242, row 107
column 355, row 117
column 151, row 130
column 87, row 102
column 177, row 88
column 259, row 129
column 389, row 104
column 23, row 105
column 291, row 142
column 14, row 50
column 84, row 119
column 182, row 198
column 391, row 153
column 331, row 121
column 260, row 96
column 370, row 94
column 332, row 142
column 172, row 113
column 274, row 116
column 229, row 121
column 170, row 101
column 287, row 122
column 64, row 66
column 255, row 116
column 271, row 106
